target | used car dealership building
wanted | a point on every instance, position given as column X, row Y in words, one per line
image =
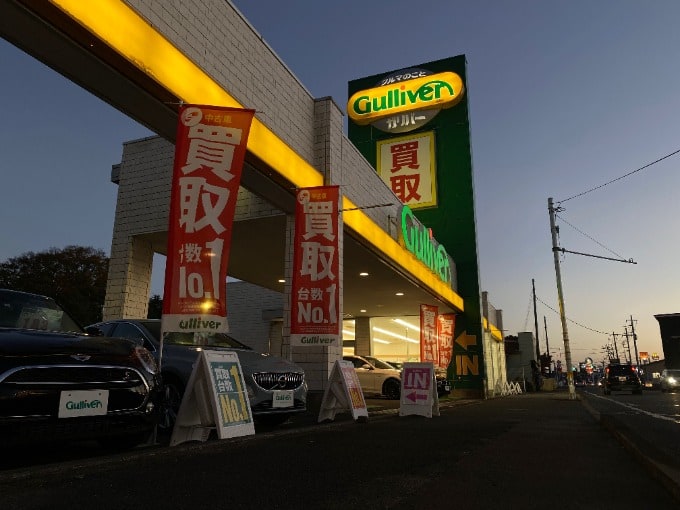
column 146, row 58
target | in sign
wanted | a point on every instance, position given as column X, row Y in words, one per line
column 417, row 378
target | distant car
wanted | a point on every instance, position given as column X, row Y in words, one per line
column 266, row 377
column 621, row 377
column 443, row 384
column 377, row 377
column 59, row 384
column 670, row 379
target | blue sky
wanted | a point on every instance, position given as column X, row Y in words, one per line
column 564, row 96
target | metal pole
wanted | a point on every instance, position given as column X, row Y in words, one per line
column 560, row 298
column 547, row 343
column 538, row 348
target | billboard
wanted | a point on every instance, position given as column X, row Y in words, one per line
column 395, row 117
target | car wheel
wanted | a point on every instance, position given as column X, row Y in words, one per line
column 173, row 390
column 392, row 389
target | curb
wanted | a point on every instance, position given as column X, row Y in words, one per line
column 669, row 476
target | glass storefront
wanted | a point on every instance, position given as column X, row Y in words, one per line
column 392, row 338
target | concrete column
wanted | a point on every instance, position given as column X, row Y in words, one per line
column 362, row 336
column 129, row 282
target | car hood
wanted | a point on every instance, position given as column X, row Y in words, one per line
column 48, row 344
column 251, row 361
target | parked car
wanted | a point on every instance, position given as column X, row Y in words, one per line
column 59, row 384
column 670, row 379
column 265, row 376
column 621, row 377
column 376, row 377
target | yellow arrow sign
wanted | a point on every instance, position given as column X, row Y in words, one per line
column 465, row 340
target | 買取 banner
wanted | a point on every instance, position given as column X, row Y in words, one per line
column 316, row 268
column 209, row 153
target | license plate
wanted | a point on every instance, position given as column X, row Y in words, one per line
column 283, row 398
column 83, row 403
column 623, row 378
column 447, row 387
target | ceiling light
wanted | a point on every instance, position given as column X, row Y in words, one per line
column 363, row 274
column 396, row 335
column 281, row 280
column 407, row 324
column 399, row 294
column 362, row 311
column 381, row 341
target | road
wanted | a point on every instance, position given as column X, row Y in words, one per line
column 526, row 451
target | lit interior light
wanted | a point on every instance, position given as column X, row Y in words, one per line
column 407, row 324
column 399, row 294
column 363, row 274
column 381, row 341
column 207, row 305
column 396, row 335
column 281, row 280
column 362, row 311
column 347, row 332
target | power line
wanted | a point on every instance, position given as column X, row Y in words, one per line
column 573, row 321
column 583, row 233
column 621, row 177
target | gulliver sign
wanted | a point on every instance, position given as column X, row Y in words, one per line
column 419, row 240
column 402, row 93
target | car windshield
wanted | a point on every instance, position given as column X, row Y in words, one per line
column 673, row 373
column 30, row 311
column 378, row 363
column 195, row 339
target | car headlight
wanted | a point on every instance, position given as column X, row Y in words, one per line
column 672, row 380
column 146, row 360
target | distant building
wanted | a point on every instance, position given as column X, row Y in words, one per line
column 669, row 324
column 518, row 356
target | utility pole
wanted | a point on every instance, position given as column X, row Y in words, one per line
column 616, row 348
column 538, row 348
column 630, row 358
column 632, row 328
column 560, row 298
column 547, row 342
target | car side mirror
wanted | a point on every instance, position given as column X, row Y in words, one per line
column 366, row 366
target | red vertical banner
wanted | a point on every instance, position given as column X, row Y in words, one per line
column 428, row 333
column 315, row 294
column 446, row 323
column 209, row 153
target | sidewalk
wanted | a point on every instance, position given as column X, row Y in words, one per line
column 529, row 451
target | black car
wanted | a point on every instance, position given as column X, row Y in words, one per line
column 621, row 377
column 59, row 384
column 276, row 387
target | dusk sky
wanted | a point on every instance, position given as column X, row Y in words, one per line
column 564, row 97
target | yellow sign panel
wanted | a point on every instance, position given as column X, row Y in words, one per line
column 441, row 90
column 407, row 165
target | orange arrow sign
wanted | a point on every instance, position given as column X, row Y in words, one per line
column 465, row 340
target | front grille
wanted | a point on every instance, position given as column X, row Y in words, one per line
column 267, row 407
column 34, row 391
column 279, row 380
column 73, row 374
